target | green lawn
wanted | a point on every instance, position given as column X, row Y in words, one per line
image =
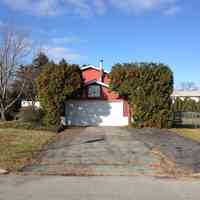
column 193, row 134
column 18, row 147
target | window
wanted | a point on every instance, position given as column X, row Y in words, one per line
column 94, row 91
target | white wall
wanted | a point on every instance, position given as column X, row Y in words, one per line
column 30, row 103
column 95, row 112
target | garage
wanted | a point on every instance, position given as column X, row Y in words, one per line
column 95, row 113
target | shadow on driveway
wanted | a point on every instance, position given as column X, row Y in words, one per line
column 117, row 151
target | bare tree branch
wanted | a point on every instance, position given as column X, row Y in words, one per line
column 14, row 48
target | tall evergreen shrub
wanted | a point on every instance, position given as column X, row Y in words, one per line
column 147, row 87
column 56, row 84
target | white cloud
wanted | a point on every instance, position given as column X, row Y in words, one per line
column 135, row 5
column 66, row 40
column 36, row 7
column 57, row 53
column 141, row 5
column 173, row 10
column 1, row 24
column 50, row 7
column 100, row 6
column 88, row 7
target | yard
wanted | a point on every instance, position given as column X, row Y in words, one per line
column 18, row 147
column 102, row 150
column 193, row 134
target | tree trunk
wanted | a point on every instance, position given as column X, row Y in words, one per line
column 3, row 115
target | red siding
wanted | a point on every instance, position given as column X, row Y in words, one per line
column 91, row 74
column 109, row 94
column 126, row 109
column 106, row 94
column 94, row 74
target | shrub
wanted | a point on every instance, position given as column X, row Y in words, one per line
column 147, row 87
column 56, row 84
column 186, row 105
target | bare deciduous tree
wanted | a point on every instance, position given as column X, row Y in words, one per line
column 14, row 47
column 29, row 74
column 26, row 74
column 188, row 86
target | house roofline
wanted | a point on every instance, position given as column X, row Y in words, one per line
column 97, row 82
column 186, row 93
column 93, row 67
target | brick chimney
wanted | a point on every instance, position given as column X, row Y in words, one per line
column 101, row 70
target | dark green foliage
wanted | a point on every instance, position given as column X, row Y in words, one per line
column 40, row 60
column 26, row 76
column 147, row 87
column 63, row 61
column 57, row 83
column 186, row 105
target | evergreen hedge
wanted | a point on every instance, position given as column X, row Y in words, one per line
column 57, row 83
column 147, row 87
column 186, row 105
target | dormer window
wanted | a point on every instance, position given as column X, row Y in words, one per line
column 94, row 91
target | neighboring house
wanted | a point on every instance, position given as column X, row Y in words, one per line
column 194, row 95
column 25, row 103
column 98, row 105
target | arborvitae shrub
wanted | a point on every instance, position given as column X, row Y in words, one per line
column 56, row 84
column 147, row 87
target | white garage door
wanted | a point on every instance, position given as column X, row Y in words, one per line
column 95, row 113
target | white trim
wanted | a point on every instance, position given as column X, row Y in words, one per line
column 97, row 82
column 93, row 67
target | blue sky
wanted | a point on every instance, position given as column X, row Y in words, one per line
column 84, row 31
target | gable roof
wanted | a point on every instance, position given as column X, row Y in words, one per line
column 93, row 67
column 97, row 82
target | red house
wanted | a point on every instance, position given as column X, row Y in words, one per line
column 98, row 105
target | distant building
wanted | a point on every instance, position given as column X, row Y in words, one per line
column 26, row 103
column 194, row 95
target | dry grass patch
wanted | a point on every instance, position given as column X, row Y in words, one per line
column 19, row 147
column 193, row 134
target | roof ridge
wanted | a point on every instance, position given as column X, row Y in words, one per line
column 94, row 67
column 96, row 81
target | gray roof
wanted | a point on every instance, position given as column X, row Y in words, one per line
column 177, row 93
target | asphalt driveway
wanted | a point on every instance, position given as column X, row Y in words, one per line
column 185, row 153
column 117, row 151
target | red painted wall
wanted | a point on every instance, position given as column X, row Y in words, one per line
column 106, row 94
column 91, row 74
column 94, row 74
